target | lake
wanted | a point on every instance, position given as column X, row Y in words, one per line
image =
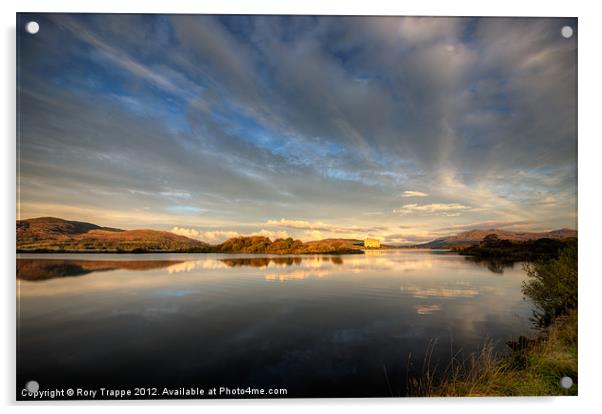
column 319, row 326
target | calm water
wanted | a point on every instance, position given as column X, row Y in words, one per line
column 347, row 326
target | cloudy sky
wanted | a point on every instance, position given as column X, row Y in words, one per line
column 404, row 129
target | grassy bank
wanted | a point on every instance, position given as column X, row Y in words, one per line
column 533, row 367
column 535, row 370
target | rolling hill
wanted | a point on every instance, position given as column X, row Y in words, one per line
column 473, row 237
column 50, row 227
column 54, row 234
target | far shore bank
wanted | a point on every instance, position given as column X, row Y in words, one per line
column 142, row 252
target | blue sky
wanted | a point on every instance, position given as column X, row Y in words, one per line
column 403, row 129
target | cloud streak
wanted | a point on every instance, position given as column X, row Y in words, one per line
column 408, row 193
column 320, row 226
column 435, row 208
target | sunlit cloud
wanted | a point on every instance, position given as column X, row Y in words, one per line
column 414, row 194
column 282, row 234
column 219, row 236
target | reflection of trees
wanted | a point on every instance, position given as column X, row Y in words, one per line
column 373, row 252
column 494, row 265
column 261, row 261
column 282, row 261
column 44, row 269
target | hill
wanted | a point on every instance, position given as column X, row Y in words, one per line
column 474, row 237
column 50, row 234
column 53, row 235
column 51, row 227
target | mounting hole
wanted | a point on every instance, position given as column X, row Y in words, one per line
column 32, row 27
column 566, row 32
column 566, row 382
column 32, row 386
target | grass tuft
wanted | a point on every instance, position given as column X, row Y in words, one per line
column 535, row 370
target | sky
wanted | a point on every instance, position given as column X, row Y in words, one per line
column 403, row 129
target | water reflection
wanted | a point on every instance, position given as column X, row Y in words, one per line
column 42, row 269
column 494, row 265
column 262, row 261
column 280, row 261
column 427, row 309
column 320, row 325
column 440, row 292
column 310, row 266
column 297, row 274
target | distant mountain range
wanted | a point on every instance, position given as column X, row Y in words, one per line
column 51, row 234
column 472, row 237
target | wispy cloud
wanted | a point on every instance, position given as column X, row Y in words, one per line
column 320, row 226
column 176, row 194
column 414, row 194
column 182, row 209
column 117, row 56
column 435, row 208
column 409, row 238
column 490, row 224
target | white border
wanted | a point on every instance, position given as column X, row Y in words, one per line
column 590, row 35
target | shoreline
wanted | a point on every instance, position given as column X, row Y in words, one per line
column 339, row 252
column 534, row 367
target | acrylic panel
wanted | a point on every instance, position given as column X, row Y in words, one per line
column 248, row 206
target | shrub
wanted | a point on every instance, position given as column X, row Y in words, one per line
column 552, row 285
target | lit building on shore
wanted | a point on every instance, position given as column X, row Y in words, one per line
column 372, row 243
